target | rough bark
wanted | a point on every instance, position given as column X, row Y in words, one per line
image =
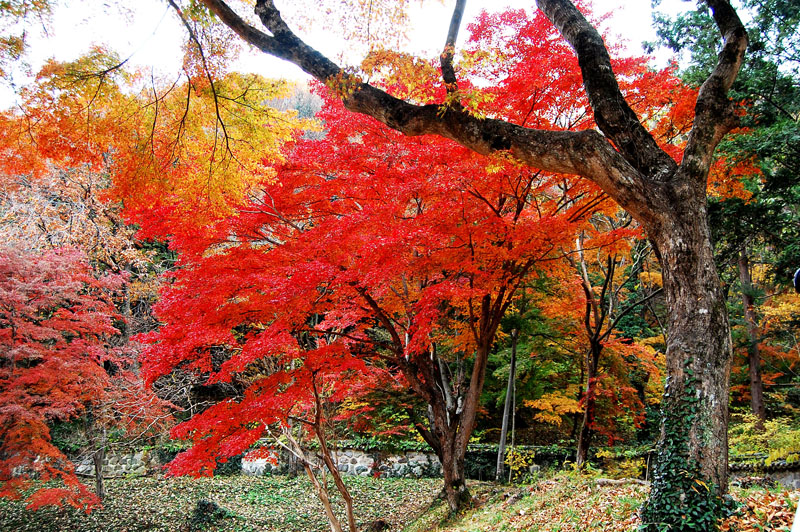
column 693, row 447
column 667, row 198
column 451, row 421
column 753, row 354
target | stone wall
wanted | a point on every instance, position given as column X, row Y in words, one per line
column 787, row 479
column 785, row 474
column 120, row 465
column 413, row 464
column 352, row 461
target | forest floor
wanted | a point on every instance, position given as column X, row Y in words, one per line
column 570, row 503
column 559, row 503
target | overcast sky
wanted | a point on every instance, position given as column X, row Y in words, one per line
column 152, row 35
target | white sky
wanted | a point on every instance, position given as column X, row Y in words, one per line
column 151, row 33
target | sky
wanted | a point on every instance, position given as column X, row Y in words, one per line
column 151, row 34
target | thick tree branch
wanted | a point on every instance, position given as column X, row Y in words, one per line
column 714, row 112
column 283, row 43
column 612, row 113
column 585, row 153
column 640, row 177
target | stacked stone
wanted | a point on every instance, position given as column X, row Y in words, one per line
column 412, row 464
column 120, row 465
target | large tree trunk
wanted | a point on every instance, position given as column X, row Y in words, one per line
column 442, row 434
column 455, row 483
column 451, row 417
column 691, row 469
column 753, row 355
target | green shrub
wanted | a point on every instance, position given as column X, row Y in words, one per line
column 205, row 514
column 780, row 439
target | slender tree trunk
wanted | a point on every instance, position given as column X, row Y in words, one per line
column 321, row 492
column 318, row 485
column 319, row 428
column 293, row 464
column 97, row 440
column 589, row 399
column 753, row 355
column 337, row 478
column 501, row 448
column 97, row 458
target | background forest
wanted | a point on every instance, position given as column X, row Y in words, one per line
column 221, row 262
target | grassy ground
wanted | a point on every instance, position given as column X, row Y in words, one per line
column 563, row 503
column 560, row 504
column 261, row 504
column 570, row 503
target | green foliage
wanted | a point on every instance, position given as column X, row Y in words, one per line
column 779, row 441
column 206, row 513
column 480, row 465
column 231, row 466
column 581, row 474
column 168, row 449
column 69, row 436
column 768, row 82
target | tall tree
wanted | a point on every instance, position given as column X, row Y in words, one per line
column 604, row 305
column 408, row 257
column 666, row 196
column 421, row 218
column 765, row 154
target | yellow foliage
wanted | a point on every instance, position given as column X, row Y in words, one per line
column 408, row 75
column 651, row 278
column 142, row 291
column 790, row 454
column 782, row 309
column 552, row 406
column 518, row 462
column 652, row 340
column 780, row 439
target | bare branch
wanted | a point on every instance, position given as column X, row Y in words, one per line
column 446, row 59
column 219, row 123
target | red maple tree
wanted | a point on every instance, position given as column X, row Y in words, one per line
column 57, row 363
column 404, row 252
